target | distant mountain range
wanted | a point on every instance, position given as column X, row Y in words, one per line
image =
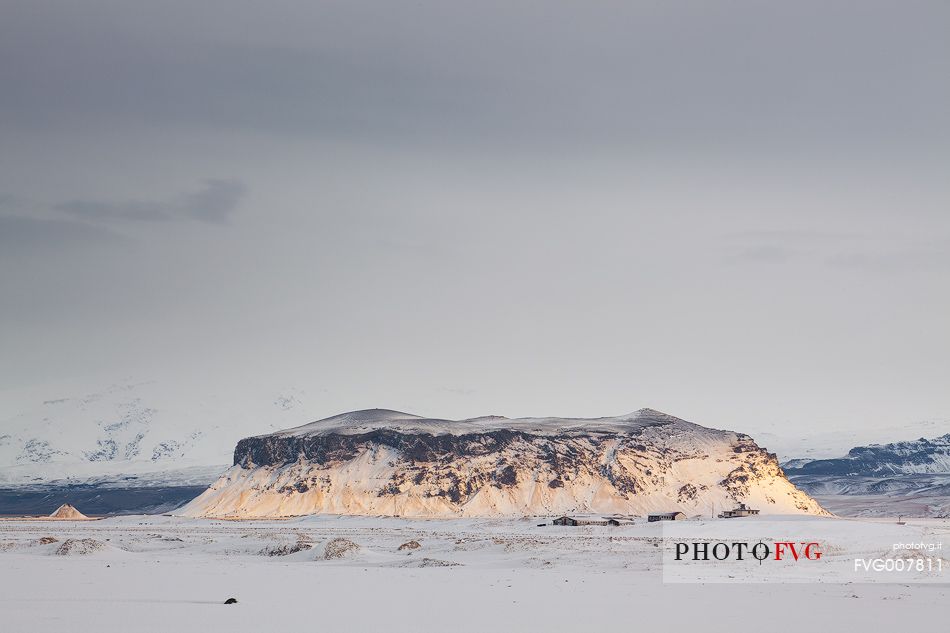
column 145, row 433
column 910, row 478
column 920, row 456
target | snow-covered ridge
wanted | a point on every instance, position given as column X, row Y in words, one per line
column 920, row 456
column 367, row 420
column 910, row 478
column 386, row 462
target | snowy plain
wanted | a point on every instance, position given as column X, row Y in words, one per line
column 162, row 573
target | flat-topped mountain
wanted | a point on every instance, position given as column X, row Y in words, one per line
column 382, row 462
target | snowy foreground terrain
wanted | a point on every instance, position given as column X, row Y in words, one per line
column 161, row 573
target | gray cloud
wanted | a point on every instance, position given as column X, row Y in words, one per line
column 765, row 253
column 8, row 201
column 459, row 391
column 129, row 210
column 23, row 234
column 213, row 203
column 781, row 245
column 725, row 210
column 895, row 258
column 26, row 230
column 792, row 236
column 839, row 251
column 615, row 75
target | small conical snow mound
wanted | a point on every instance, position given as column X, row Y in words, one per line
column 66, row 511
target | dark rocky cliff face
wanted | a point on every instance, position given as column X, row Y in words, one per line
column 435, row 459
column 275, row 450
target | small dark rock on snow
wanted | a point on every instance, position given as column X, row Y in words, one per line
column 410, row 545
column 231, row 601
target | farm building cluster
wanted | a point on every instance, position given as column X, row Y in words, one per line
column 742, row 511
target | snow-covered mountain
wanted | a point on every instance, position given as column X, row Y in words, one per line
column 832, row 438
column 136, row 433
column 902, row 478
column 386, row 462
column 921, row 456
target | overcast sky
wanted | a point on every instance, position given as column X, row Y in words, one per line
column 735, row 212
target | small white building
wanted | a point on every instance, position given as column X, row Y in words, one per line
column 666, row 516
column 741, row 511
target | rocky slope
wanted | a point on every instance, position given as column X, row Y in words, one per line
column 390, row 463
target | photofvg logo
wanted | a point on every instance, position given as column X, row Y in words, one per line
column 743, row 550
column 921, row 557
column 797, row 550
